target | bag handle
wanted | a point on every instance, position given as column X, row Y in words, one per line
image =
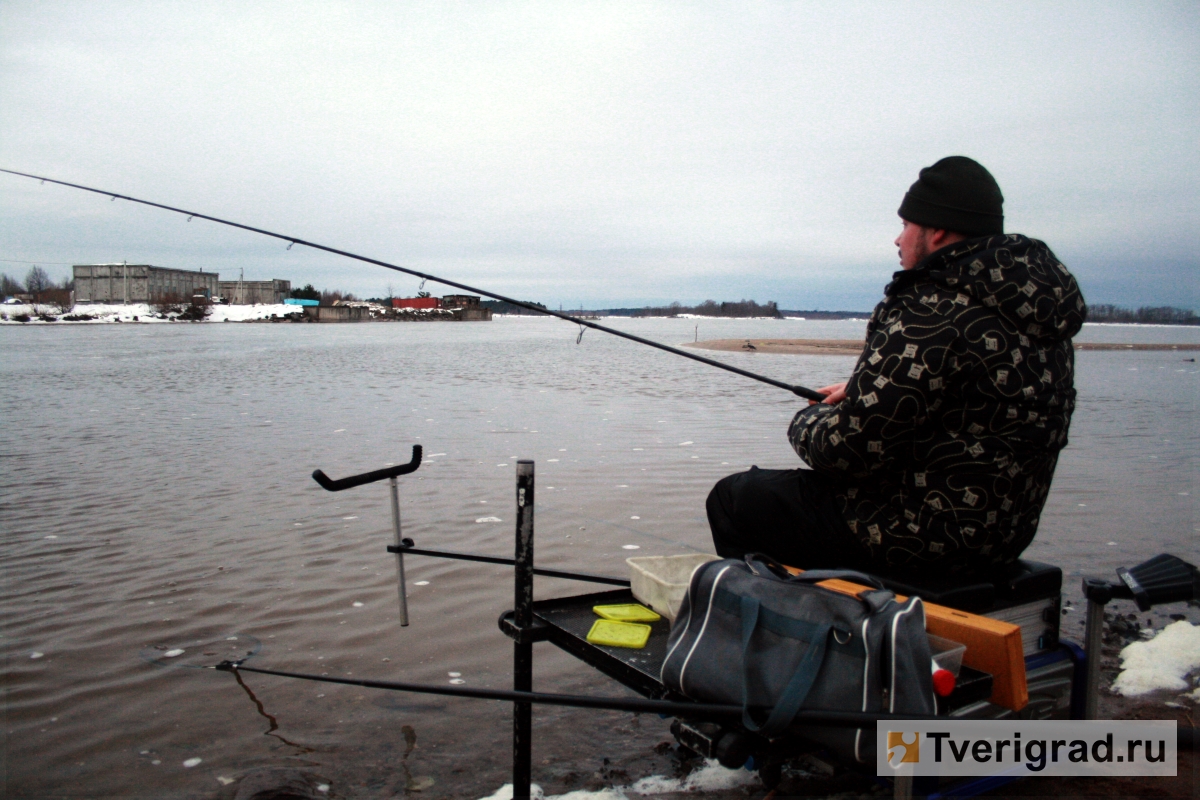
column 753, row 560
column 798, row 687
column 777, row 570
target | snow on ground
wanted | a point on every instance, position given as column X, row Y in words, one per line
column 133, row 312
column 710, row 778
column 709, row 316
column 137, row 312
column 1161, row 663
column 247, row 313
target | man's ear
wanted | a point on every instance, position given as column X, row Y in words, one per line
column 939, row 238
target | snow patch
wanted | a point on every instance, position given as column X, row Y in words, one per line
column 142, row 313
column 712, row 777
column 223, row 313
column 1161, row 663
column 505, row 792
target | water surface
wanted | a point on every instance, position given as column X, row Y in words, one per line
column 155, row 492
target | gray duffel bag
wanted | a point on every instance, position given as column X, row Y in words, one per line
column 750, row 634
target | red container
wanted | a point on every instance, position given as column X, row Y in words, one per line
column 415, row 302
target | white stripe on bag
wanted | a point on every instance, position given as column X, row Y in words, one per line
column 712, row 592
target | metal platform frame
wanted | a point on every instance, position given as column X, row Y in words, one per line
column 705, row 727
column 564, row 622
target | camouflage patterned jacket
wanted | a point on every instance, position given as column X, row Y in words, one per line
column 957, row 408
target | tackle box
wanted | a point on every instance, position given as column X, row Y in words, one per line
column 1028, row 594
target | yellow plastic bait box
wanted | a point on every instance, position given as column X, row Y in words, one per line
column 619, row 634
column 626, row 612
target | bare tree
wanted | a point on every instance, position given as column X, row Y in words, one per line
column 332, row 297
column 1157, row 315
column 711, row 308
column 170, row 303
column 58, row 299
column 37, row 281
column 10, row 286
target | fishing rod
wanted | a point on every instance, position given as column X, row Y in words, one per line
column 837, row 719
column 808, row 394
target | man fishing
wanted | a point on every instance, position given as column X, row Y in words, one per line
column 936, row 456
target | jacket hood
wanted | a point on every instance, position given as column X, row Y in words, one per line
column 1020, row 278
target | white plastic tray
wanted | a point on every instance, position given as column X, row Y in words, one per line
column 661, row 582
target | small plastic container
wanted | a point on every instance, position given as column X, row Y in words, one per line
column 947, row 654
column 662, row 581
column 619, row 634
column 947, row 659
column 626, row 612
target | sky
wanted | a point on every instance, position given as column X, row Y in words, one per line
column 598, row 154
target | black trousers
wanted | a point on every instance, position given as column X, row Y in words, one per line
column 788, row 514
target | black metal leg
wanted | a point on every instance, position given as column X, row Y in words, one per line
column 522, row 720
column 399, row 553
column 925, row 785
column 523, row 618
column 1094, row 636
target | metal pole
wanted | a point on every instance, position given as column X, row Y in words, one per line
column 523, row 617
column 399, row 555
column 1094, row 641
column 549, row 573
column 637, row 705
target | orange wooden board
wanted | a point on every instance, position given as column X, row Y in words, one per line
column 992, row 646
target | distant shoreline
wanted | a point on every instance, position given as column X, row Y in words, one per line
column 799, row 347
column 852, row 347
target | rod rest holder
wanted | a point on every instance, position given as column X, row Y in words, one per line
column 330, row 485
column 1163, row 579
column 537, row 632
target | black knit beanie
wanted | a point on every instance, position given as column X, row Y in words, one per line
column 956, row 194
